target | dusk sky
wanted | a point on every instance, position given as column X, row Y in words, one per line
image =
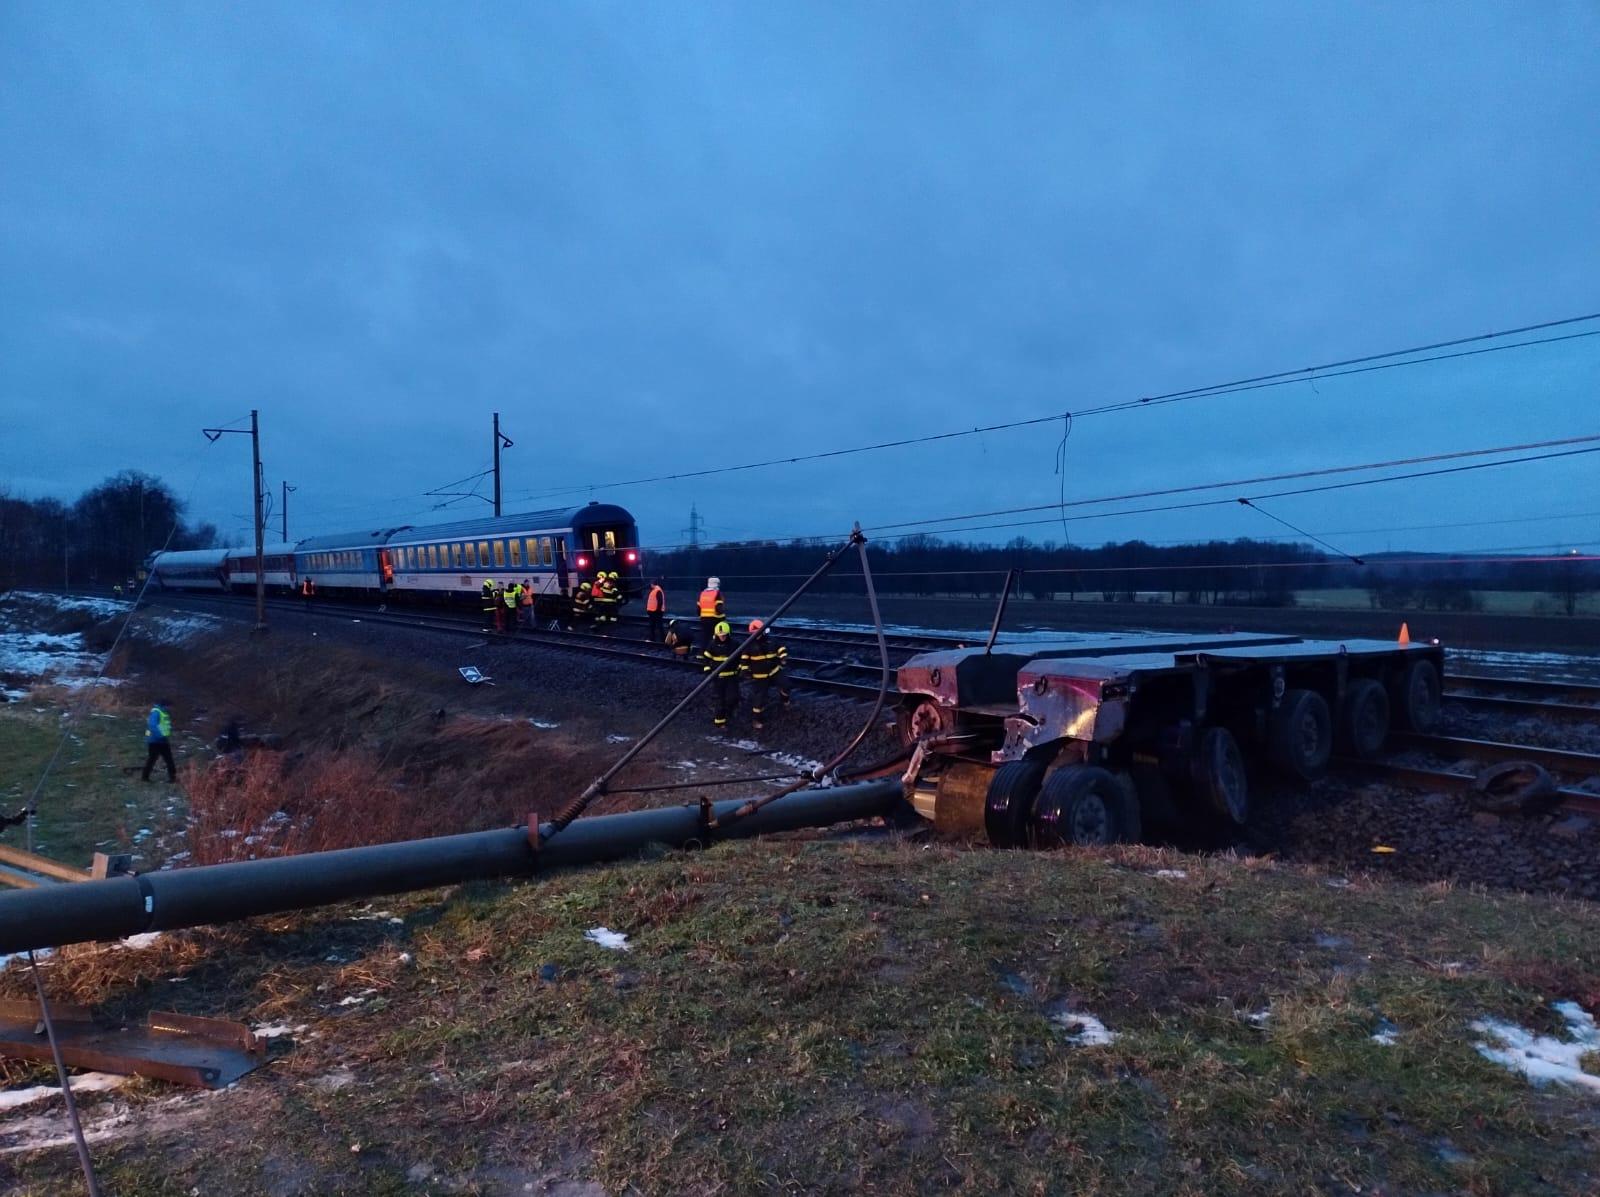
column 658, row 237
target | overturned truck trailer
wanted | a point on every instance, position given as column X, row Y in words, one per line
column 1102, row 738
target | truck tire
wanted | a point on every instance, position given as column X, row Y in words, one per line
column 1415, row 697
column 1009, row 805
column 1219, row 775
column 1363, row 719
column 1300, row 735
column 1082, row 805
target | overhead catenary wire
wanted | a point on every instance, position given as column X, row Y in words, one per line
column 1344, row 367
column 882, row 531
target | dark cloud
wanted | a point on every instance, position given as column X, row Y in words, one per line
column 657, row 236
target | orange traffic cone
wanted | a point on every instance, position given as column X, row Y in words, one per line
column 1405, row 634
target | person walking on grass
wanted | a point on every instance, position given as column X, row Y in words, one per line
column 158, row 741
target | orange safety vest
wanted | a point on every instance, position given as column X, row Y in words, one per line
column 656, row 601
column 710, row 604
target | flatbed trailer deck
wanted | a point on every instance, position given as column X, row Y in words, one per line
column 1100, row 737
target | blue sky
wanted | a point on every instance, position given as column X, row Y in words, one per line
column 660, row 236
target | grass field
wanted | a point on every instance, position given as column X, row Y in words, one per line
column 884, row 1017
column 93, row 799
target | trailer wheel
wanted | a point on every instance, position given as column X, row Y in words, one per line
column 1080, row 804
column 1219, row 775
column 1363, row 719
column 1415, row 697
column 1009, row 804
column 1301, row 734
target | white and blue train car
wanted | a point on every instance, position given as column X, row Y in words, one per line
column 191, row 569
column 553, row 551
column 344, row 563
column 277, row 567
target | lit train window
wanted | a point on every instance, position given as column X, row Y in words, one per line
column 533, row 550
column 544, row 546
column 483, row 552
column 433, row 556
column 611, row 539
column 499, row 554
column 472, row 556
column 455, row 556
column 516, row 552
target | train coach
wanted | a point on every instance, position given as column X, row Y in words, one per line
column 277, row 569
column 192, row 569
column 553, row 550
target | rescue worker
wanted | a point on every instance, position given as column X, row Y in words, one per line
column 308, row 590
column 655, row 608
column 158, row 741
column 582, row 599
column 525, row 602
column 510, row 596
column 763, row 661
column 116, row 589
column 725, row 689
column 490, row 601
column 679, row 640
column 712, row 610
column 606, row 600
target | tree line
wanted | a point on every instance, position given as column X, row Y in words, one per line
column 97, row 540
column 1242, row 572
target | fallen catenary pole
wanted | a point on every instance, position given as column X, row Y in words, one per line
column 83, row 911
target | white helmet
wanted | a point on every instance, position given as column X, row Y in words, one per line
column 713, row 583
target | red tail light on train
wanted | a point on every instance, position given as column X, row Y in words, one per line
column 583, row 563
column 633, row 557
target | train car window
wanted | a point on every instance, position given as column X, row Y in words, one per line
column 499, row 554
column 594, row 541
column 516, row 552
column 533, row 550
column 611, row 539
column 483, row 552
column 432, row 556
column 561, row 550
column 544, row 549
column 472, row 556
column 455, row 555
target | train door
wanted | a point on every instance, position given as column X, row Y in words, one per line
column 561, row 564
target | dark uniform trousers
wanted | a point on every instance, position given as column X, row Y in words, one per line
column 159, row 750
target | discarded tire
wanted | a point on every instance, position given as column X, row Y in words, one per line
column 1511, row 787
column 1363, row 719
column 1009, row 804
column 1300, row 735
column 1081, row 804
column 1414, row 697
column 1219, row 775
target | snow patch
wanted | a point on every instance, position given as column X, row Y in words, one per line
column 544, row 724
column 272, row 1030
column 1174, row 874
column 1543, row 1058
column 143, row 940
column 1387, row 1034
column 618, row 738
column 616, row 941
column 1080, row 1029
column 88, row 1082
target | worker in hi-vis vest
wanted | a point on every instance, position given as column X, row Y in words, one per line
column 158, row 741
column 655, row 606
column 712, row 611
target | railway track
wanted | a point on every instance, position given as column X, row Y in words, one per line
column 845, row 671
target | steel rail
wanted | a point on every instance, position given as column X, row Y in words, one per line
column 1448, row 781
column 1585, row 764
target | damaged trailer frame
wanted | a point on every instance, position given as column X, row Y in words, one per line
column 1099, row 738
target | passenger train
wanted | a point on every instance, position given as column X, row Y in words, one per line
column 551, row 550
